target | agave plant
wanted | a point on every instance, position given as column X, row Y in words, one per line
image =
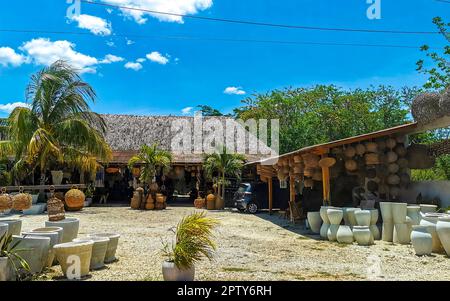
column 58, row 126
column 193, row 241
column 11, row 252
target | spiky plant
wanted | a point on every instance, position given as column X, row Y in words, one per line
column 194, row 241
column 11, row 252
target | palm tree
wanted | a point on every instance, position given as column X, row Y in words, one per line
column 225, row 165
column 58, row 127
column 153, row 161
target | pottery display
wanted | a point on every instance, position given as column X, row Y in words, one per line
column 315, row 222
column 14, row 226
column 324, row 230
column 98, row 250
column 54, row 240
column 172, row 273
column 351, row 216
column 430, row 220
column 399, row 211
column 58, row 230
column 332, row 232
column 6, row 270
column 57, row 177
column 413, row 212
column 376, row 235
column 324, row 215
column 344, row 235
column 83, row 251
column 3, row 232
column 401, row 234
column 363, row 217
column 362, row 235
column 21, row 201
column 70, row 227
column 112, row 245
column 421, row 240
column 374, row 216
column 443, row 231
column 335, row 216
column 386, row 212
column 387, row 232
column 35, row 209
column 33, row 249
column 426, row 208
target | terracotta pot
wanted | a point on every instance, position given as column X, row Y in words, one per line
column 362, row 235
column 149, row 206
column 112, row 245
column 335, row 216
column 172, row 273
column 33, row 249
column 210, row 205
column 219, row 203
column 443, row 231
column 430, row 220
column 421, row 240
column 363, row 217
column 426, row 208
column 386, row 212
column 387, row 233
column 332, row 232
column 401, row 234
column 14, row 226
column 70, row 227
column 83, row 253
column 344, row 235
column 99, row 249
column 199, row 203
column 413, row 213
column 399, row 211
column 315, row 222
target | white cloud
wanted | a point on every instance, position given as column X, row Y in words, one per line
column 234, row 91
column 110, row 58
column 157, row 57
column 187, row 111
column 133, row 66
column 96, row 25
column 129, row 42
column 140, row 60
column 9, row 107
column 182, row 7
column 110, row 44
column 45, row 52
column 8, row 56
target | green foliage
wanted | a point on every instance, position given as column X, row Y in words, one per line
column 153, row 160
column 320, row 114
column 209, row 111
column 441, row 171
column 89, row 193
column 439, row 73
column 193, row 241
column 11, row 252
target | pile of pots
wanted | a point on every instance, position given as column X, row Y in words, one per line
column 57, row 243
column 420, row 225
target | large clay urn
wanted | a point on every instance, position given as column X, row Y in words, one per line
column 362, row 235
column 443, row 231
column 421, row 240
column 344, row 235
column 363, row 217
column 219, row 203
column 315, row 222
column 430, row 220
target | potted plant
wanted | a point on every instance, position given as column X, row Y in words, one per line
column 11, row 263
column 193, row 241
column 89, row 193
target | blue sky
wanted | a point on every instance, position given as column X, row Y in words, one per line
column 161, row 75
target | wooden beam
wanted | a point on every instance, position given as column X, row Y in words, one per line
column 270, row 185
column 292, row 189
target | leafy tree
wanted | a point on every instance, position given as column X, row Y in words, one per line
column 210, row 111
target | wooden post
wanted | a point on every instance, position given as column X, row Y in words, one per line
column 270, row 185
column 292, row 189
column 326, row 163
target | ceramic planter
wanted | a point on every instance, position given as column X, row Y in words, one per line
column 14, row 226
column 401, row 234
column 6, row 270
column 413, row 212
column 83, row 250
column 332, row 232
column 3, row 231
column 57, row 177
column 172, row 273
column 57, row 230
column 362, row 235
column 344, row 235
column 98, row 250
column 399, row 211
column 324, row 231
column 324, row 215
column 34, row 198
column 426, row 208
column 374, row 216
column 112, row 245
column 35, row 209
column 387, row 232
column 421, row 240
column 88, row 202
column 70, row 227
column 363, row 217
column 375, row 232
column 315, row 222
column 443, row 231
column 430, row 220
column 33, row 249
column 351, row 216
column 386, row 212
column 54, row 240
column 335, row 216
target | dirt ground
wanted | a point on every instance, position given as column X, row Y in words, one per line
column 250, row 247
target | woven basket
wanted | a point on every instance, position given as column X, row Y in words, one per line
column 55, row 208
column 391, row 157
column 393, row 179
column 391, row 143
column 351, row 165
column 311, row 160
column 393, row 168
column 371, row 147
column 309, row 171
column 6, row 201
column 309, row 183
column 381, row 145
column 360, row 149
column 400, row 139
column 22, row 201
column 74, row 199
column 400, row 150
column 297, row 159
column 298, row 170
column 160, row 198
column 372, row 159
column 403, row 163
column 350, row 151
column 317, row 175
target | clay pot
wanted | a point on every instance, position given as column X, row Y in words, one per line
column 362, row 235
column 172, row 273
column 199, row 203
column 99, row 249
column 387, row 232
column 374, row 216
column 219, row 203
column 413, row 212
column 160, row 198
column 70, row 227
column 33, row 249
column 351, row 216
column 83, row 252
column 324, row 215
column 149, row 206
column 54, row 240
column 344, row 235
column 443, row 231
column 315, row 222
column 3, row 231
column 332, row 232
column 430, row 220
column 426, row 208
column 324, row 230
column 401, row 234
column 399, row 211
column 74, row 199
column 351, row 165
column 375, row 232
column 335, row 216
column 210, row 204
column 111, row 249
column 421, row 240
column 363, row 217
column 14, row 226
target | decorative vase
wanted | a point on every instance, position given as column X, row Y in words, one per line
column 14, row 226
column 421, row 240
column 315, row 222
column 399, row 211
column 83, row 251
column 363, row 217
column 112, row 245
column 426, row 208
column 219, row 203
column 33, row 249
column 70, row 227
column 430, row 220
column 386, row 212
column 335, row 216
column 413, row 212
column 351, row 216
column 374, row 216
column 324, row 215
column 172, row 273
column 443, row 231
column 99, row 249
column 74, row 199
column 57, row 177
column 54, row 240
column 210, row 205
column 332, row 232
column 401, row 234
column 199, row 203
column 344, row 235
column 362, row 235
column 324, row 230
column 375, row 232
column 387, row 232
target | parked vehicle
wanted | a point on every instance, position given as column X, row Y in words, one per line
column 251, row 197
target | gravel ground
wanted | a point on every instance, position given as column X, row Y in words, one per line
column 259, row 247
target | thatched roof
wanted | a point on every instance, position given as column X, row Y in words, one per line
column 127, row 133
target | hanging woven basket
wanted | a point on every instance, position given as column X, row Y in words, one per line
column 6, row 201
column 22, row 201
column 381, row 145
column 360, row 149
column 403, row 163
column 371, row 147
column 391, row 143
column 351, row 165
column 297, row 159
column 74, row 199
column 372, row 159
column 311, row 160
column 350, row 151
column 55, row 207
column 309, row 183
column 392, row 157
column 400, row 150
column 393, row 168
column 393, row 179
